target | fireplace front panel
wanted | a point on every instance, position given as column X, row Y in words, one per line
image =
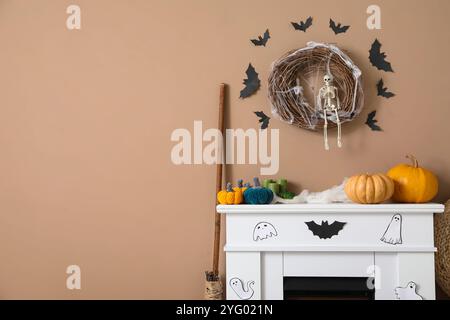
column 269, row 248
column 331, row 264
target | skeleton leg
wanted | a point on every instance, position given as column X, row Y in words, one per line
column 338, row 122
column 325, row 130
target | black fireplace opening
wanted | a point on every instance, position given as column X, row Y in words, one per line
column 328, row 288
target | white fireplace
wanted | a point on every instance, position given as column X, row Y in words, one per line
column 314, row 250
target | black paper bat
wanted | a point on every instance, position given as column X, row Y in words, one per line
column 382, row 91
column 325, row 230
column 261, row 41
column 371, row 122
column 378, row 58
column 303, row 26
column 339, row 28
column 263, row 119
column 252, row 82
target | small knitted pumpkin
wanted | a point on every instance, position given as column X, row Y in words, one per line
column 258, row 194
column 230, row 196
column 241, row 186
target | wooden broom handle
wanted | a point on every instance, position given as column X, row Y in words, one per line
column 217, row 217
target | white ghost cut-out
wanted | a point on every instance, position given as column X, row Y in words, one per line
column 264, row 230
column 393, row 233
column 238, row 287
column 408, row 292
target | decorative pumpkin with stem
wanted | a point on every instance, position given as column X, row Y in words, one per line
column 413, row 184
column 369, row 189
column 258, row 194
column 241, row 186
column 230, row 196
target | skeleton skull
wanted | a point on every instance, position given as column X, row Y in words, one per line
column 328, row 79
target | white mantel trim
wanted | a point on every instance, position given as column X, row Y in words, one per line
column 331, row 208
column 287, row 248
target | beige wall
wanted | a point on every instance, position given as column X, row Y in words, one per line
column 86, row 118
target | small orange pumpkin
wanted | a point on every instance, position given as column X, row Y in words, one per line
column 230, row 196
column 369, row 189
column 413, row 184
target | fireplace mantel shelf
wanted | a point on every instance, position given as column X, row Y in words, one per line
column 332, row 207
column 322, row 248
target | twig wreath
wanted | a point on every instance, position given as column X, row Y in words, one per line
column 308, row 68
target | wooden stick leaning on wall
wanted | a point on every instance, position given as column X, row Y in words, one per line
column 213, row 286
column 219, row 171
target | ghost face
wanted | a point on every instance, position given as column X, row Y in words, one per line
column 238, row 287
column 396, row 222
column 264, row 230
column 393, row 233
column 235, row 283
column 412, row 286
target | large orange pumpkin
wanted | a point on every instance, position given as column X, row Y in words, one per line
column 413, row 184
column 369, row 189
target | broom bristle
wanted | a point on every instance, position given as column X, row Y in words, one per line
column 210, row 276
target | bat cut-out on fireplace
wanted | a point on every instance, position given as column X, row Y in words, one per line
column 325, row 230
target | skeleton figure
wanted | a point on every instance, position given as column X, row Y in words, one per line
column 331, row 104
